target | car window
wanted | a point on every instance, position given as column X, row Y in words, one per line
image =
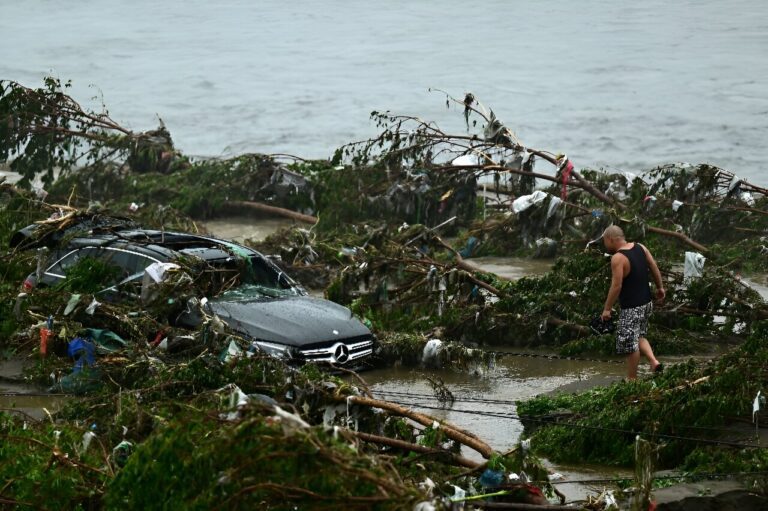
column 60, row 267
column 127, row 289
column 130, row 263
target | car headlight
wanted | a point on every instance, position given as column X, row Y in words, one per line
column 273, row 349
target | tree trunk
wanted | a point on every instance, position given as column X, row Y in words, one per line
column 274, row 210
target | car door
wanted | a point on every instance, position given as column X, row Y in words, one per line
column 130, row 263
column 133, row 265
column 57, row 272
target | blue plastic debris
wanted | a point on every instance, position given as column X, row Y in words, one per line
column 83, row 352
column 491, row 478
column 469, row 248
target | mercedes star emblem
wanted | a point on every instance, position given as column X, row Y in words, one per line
column 341, row 353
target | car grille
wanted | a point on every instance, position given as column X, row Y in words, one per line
column 339, row 352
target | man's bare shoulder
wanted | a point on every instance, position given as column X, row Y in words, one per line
column 619, row 259
column 648, row 254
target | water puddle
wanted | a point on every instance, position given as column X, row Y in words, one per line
column 16, row 396
column 512, row 268
column 485, row 399
column 759, row 283
column 239, row 228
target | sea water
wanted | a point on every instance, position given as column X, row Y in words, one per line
column 617, row 84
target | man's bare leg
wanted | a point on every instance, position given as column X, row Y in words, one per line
column 645, row 349
column 633, row 360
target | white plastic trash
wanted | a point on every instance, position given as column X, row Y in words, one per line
column 432, row 349
column 92, row 307
column 466, row 159
column 157, row 271
column 526, row 201
column 747, row 198
column 554, row 202
column 694, row 265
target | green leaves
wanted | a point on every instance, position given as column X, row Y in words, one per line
column 44, row 131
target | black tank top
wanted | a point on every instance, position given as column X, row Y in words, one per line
column 635, row 289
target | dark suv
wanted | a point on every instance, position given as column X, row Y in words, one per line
column 265, row 306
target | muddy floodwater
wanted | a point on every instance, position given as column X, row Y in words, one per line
column 511, row 268
column 239, row 229
column 17, row 395
column 485, row 399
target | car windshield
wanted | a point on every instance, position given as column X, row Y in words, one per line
column 257, row 278
column 246, row 292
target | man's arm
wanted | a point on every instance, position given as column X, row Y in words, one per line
column 617, row 277
column 656, row 274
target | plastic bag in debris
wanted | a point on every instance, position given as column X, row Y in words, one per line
column 694, row 265
column 154, row 274
column 84, row 382
column 42, row 262
column 71, row 304
column 427, row 486
column 121, row 452
column 157, row 271
column 88, row 437
column 526, row 201
column 430, row 357
column 232, row 352
column 237, row 400
column 747, row 198
column 84, row 377
column 491, row 478
column 467, row 159
column 470, row 247
column 83, row 352
column 554, row 202
column 91, row 309
column 290, row 422
column 458, row 493
column 617, row 190
column 105, row 341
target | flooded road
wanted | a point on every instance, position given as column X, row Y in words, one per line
column 17, row 395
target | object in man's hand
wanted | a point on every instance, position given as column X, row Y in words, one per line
column 602, row 327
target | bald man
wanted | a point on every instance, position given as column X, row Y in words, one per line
column 631, row 265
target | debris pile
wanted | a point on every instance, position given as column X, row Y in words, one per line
column 390, row 227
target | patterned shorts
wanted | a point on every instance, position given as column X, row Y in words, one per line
column 633, row 324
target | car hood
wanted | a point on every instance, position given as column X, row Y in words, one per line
column 294, row 321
